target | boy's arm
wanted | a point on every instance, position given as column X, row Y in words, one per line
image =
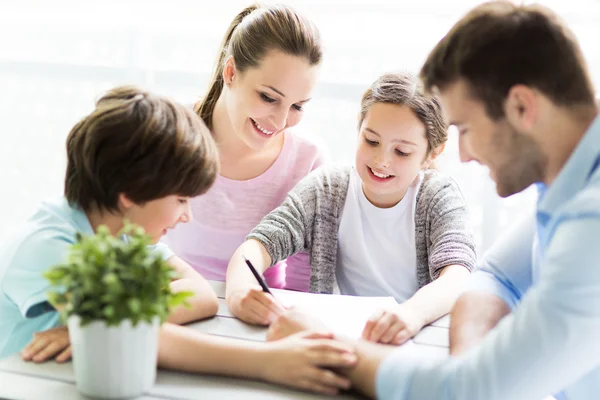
column 203, row 303
column 303, row 361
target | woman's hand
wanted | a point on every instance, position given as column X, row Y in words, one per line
column 305, row 360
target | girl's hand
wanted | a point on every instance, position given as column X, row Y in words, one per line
column 303, row 361
column 254, row 306
column 48, row 344
column 393, row 326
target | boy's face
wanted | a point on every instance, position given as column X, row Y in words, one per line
column 158, row 216
column 392, row 149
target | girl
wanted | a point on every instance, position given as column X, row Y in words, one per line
column 265, row 73
column 141, row 157
column 387, row 227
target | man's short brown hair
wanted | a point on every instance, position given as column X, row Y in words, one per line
column 499, row 44
column 139, row 144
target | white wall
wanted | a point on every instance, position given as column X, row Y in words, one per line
column 57, row 57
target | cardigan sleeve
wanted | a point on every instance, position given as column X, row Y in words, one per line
column 450, row 241
column 287, row 229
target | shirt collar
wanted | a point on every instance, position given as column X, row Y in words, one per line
column 79, row 218
column 575, row 173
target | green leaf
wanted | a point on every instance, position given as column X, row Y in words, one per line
column 134, row 305
column 113, row 278
column 109, row 311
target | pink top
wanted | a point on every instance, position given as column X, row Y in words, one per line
column 231, row 209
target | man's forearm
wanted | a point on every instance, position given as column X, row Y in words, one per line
column 473, row 316
column 364, row 374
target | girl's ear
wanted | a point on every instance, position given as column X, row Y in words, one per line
column 433, row 154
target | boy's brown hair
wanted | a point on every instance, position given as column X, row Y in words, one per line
column 499, row 44
column 139, row 144
column 403, row 89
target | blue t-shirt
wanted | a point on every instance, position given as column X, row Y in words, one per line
column 40, row 244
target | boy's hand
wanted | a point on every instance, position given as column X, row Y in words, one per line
column 47, row 344
column 394, row 326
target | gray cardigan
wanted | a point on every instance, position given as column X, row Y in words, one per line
column 309, row 218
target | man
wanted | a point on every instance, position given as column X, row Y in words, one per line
column 513, row 81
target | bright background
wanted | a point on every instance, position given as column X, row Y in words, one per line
column 57, row 57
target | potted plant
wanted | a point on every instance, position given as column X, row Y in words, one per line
column 114, row 292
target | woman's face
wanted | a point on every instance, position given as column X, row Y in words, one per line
column 265, row 100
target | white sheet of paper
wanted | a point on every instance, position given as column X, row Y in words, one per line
column 342, row 314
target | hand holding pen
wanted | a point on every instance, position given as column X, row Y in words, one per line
column 255, row 304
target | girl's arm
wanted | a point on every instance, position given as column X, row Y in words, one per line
column 281, row 233
column 432, row 301
column 203, row 303
column 451, row 256
column 302, row 360
column 245, row 297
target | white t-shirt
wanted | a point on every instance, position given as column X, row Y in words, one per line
column 376, row 253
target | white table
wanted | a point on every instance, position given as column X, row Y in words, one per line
column 52, row 381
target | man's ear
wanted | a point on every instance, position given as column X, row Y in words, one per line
column 229, row 71
column 521, row 107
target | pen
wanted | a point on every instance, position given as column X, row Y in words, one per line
column 259, row 278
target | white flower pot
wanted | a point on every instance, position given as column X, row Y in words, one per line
column 114, row 362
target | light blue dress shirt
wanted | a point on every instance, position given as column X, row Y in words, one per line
column 41, row 243
column 547, row 269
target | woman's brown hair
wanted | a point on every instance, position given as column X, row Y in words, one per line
column 253, row 32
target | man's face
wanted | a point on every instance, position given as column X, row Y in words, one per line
column 513, row 157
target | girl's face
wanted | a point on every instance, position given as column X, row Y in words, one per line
column 263, row 101
column 157, row 216
column 392, row 149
